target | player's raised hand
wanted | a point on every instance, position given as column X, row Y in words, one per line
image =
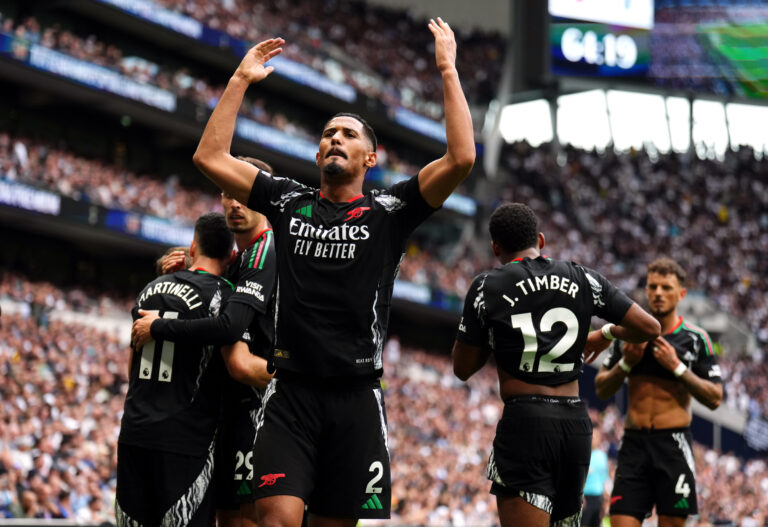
column 140, row 333
column 252, row 68
column 445, row 44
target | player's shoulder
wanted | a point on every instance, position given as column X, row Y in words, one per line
column 695, row 333
column 255, row 254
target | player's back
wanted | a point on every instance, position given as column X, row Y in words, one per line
column 174, row 388
column 537, row 313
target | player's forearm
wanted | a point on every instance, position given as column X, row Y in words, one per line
column 226, row 328
column 608, row 382
column 245, row 367
column 637, row 326
column 216, row 141
column 459, row 132
column 708, row 393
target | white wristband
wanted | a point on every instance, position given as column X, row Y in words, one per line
column 606, row 331
column 626, row 368
column 680, row 369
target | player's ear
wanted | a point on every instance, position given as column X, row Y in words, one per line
column 193, row 249
column 542, row 241
column 683, row 292
column 370, row 160
column 495, row 249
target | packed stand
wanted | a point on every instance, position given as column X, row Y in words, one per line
column 180, row 81
column 380, row 51
column 95, row 181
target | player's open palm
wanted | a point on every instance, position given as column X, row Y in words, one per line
column 445, row 44
column 252, row 68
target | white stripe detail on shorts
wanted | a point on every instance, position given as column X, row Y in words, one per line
column 540, row 501
column 181, row 512
column 259, row 419
column 122, row 519
column 380, row 404
column 571, row 521
column 685, row 448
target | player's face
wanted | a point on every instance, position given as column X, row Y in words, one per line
column 239, row 217
column 344, row 148
column 663, row 292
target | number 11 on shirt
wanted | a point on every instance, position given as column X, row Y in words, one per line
column 166, row 356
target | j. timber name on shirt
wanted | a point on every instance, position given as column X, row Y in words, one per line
column 549, row 282
column 183, row 291
column 334, row 242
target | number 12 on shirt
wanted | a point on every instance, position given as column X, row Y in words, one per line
column 166, row 356
column 524, row 322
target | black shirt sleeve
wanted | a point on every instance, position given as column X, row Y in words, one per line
column 610, row 303
column 472, row 326
column 410, row 206
column 256, row 278
column 270, row 194
column 705, row 365
column 226, row 328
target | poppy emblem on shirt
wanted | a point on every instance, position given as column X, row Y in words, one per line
column 356, row 212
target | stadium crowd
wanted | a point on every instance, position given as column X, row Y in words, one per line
column 396, row 75
column 375, row 49
column 62, row 390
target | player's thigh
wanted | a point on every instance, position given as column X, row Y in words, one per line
column 517, row 512
column 353, row 478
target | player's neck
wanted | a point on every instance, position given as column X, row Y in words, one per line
column 340, row 192
column 243, row 240
column 528, row 253
column 209, row 265
column 669, row 322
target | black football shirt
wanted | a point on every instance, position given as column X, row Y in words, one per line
column 174, row 389
column 535, row 314
column 336, row 266
column 692, row 345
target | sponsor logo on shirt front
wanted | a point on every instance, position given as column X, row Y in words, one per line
column 337, row 242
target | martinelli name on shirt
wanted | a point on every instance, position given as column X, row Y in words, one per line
column 183, row 291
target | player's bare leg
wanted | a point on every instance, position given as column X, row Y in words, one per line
column 671, row 521
column 279, row 511
column 516, row 512
column 622, row 520
column 324, row 521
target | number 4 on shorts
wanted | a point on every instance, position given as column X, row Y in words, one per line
column 682, row 487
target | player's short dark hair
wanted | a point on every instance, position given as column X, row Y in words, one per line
column 258, row 163
column 369, row 133
column 213, row 237
column 665, row 266
column 514, row 227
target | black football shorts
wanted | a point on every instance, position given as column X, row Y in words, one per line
column 541, row 453
column 326, row 443
column 655, row 467
column 159, row 488
column 233, row 474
